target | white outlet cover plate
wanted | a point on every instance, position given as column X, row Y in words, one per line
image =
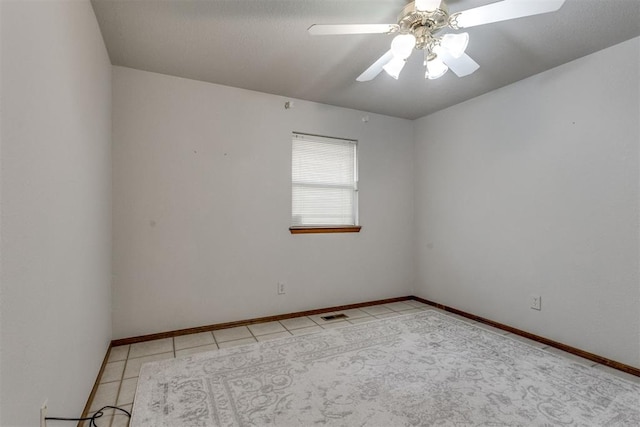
column 43, row 413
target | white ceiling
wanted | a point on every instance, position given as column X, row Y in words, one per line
column 263, row 45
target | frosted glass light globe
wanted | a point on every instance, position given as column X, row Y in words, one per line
column 427, row 5
column 402, row 45
column 394, row 67
column 455, row 43
column 435, row 69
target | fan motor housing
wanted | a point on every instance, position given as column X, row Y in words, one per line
column 423, row 24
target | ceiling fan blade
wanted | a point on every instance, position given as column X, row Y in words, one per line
column 462, row 66
column 375, row 68
column 503, row 10
column 331, row 29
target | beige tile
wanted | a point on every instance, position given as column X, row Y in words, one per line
column 112, row 372
column 417, row 304
column 464, row 319
column 362, row 320
column 106, row 419
column 320, row 321
column 569, row 356
column 414, row 310
column 232, row 334
column 148, row 348
column 236, row 343
column 133, row 365
column 101, row 421
column 194, row 350
column 332, row 325
column 310, row 330
column 297, row 323
column 275, row 336
column 376, row 310
column 193, row 340
column 520, row 338
column 488, row 327
column 105, row 395
column 617, row 373
column 398, row 306
column 386, row 315
column 127, row 391
column 119, row 353
column 266, row 328
column 354, row 313
column 120, row 419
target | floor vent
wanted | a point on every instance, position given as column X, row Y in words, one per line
column 335, row 316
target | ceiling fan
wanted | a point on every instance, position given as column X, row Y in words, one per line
column 417, row 28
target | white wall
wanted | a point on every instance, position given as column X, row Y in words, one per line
column 534, row 189
column 202, row 205
column 56, row 207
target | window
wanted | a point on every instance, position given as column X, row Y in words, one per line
column 324, row 184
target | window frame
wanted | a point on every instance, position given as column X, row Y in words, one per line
column 328, row 228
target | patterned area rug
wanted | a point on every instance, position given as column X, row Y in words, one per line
column 419, row 369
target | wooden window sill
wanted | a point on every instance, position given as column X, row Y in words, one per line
column 335, row 229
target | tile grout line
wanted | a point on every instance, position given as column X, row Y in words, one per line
column 318, row 324
column 200, row 345
column 252, row 334
column 138, row 377
column 121, row 381
column 119, row 386
column 295, row 329
column 215, row 341
column 287, row 329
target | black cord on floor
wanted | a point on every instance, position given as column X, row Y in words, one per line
column 92, row 419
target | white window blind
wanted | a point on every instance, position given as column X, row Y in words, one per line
column 324, row 178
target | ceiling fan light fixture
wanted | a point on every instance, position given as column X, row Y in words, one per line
column 402, row 45
column 427, row 5
column 456, row 44
column 420, row 21
column 435, row 69
column 394, row 67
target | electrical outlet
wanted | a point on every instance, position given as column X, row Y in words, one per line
column 281, row 288
column 43, row 413
column 536, row 302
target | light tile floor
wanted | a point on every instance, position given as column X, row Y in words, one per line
column 118, row 383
